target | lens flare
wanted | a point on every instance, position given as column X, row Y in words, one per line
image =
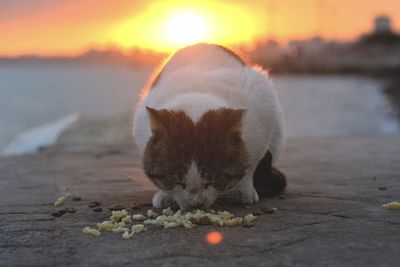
column 214, row 238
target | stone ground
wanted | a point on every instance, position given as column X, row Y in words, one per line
column 330, row 215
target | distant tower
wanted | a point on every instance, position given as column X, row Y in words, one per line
column 383, row 25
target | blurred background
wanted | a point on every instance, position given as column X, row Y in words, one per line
column 71, row 70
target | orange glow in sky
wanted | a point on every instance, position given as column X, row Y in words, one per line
column 214, row 238
column 68, row 27
column 168, row 25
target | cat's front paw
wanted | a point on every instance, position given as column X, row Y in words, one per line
column 161, row 200
column 249, row 196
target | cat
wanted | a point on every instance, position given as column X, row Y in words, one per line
column 209, row 125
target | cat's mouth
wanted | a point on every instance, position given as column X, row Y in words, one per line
column 200, row 202
column 187, row 206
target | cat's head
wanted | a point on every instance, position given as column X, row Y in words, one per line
column 195, row 162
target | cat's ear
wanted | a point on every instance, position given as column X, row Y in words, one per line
column 157, row 122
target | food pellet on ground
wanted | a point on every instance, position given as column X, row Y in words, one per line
column 61, row 200
column 117, row 215
column 127, row 219
column 70, row 210
column 152, row 214
column 93, row 204
column 98, row 209
column 395, row 205
column 91, row 231
column 138, row 217
column 58, row 213
column 137, row 228
column 167, row 212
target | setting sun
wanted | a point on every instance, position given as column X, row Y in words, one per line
column 72, row 27
column 168, row 25
column 186, row 28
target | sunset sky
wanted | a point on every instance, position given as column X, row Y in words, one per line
column 68, row 27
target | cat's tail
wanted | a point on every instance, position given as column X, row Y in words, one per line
column 267, row 180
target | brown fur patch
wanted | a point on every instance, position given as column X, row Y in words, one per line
column 169, row 151
column 221, row 155
column 214, row 143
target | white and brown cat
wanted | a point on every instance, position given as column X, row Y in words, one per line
column 209, row 125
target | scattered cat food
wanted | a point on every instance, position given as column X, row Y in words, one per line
column 107, row 225
column 138, row 217
column 117, row 215
column 70, row 210
column 248, row 219
column 76, row 199
column 152, row 214
column 91, row 231
column 138, row 228
column 168, row 212
column 98, row 209
column 382, row 188
column 135, row 229
column 116, row 207
column 93, row 204
column 127, row 219
column 123, row 222
column 61, row 200
column 395, row 205
column 127, row 235
column 58, row 213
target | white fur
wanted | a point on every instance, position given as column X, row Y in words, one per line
column 212, row 80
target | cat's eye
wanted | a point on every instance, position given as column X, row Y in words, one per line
column 207, row 185
column 181, row 184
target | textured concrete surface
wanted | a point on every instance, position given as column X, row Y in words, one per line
column 331, row 214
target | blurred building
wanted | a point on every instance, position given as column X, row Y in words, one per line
column 383, row 34
column 383, row 25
